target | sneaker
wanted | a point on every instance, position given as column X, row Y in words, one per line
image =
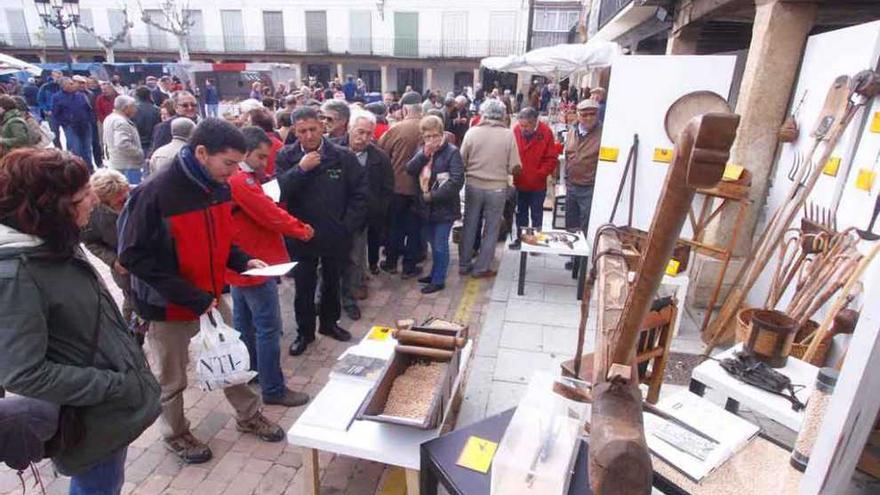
column 414, row 272
column 289, row 398
column 515, row 245
column 189, row 449
column 266, row 430
column 425, row 280
column 431, row 288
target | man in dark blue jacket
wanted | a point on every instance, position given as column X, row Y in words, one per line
column 44, row 100
column 324, row 185
column 212, row 99
column 74, row 115
column 30, row 91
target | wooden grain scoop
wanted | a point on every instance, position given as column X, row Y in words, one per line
column 619, row 462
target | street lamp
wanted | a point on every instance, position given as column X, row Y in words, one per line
column 60, row 14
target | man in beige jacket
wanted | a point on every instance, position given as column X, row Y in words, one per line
column 490, row 157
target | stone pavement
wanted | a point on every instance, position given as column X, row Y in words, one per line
column 243, row 465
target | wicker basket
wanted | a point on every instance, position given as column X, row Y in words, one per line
column 798, row 350
column 744, row 324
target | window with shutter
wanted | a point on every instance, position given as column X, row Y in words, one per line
column 197, row 40
column 117, row 21
column 18, row 35
column 406, row 34
column 84, row 39
column 361, row 29
column 158, row 39
column 233, row 30
column 273, row 29
column 316, row 31
column 502, row 29
column 454, row 34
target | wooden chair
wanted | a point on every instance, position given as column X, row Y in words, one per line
column 651, row 354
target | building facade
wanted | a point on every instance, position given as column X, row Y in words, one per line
column 388, row 43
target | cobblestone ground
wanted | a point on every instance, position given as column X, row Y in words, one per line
column 243, row 465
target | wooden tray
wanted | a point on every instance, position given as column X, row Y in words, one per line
column 375, row 403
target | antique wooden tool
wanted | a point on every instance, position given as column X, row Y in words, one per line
column 619, row 462
column 424, row 339
column 428, row 352
column 868, row 234
column 844, row 100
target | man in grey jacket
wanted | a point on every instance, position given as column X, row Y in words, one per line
column 122, row 143
column 181, row 130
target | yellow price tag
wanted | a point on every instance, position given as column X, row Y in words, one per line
column 379, row 333
column 831, row 166
column 732, row 172
column 608, row 154
column 875, row 122
column 477, row 454
column 865, row 179
column 672, row 267
column 663, row 155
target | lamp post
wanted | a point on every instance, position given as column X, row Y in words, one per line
column 60, row 14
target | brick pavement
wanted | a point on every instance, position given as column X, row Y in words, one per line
column 243, row 465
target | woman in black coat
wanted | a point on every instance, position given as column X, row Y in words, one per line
column 439, row 171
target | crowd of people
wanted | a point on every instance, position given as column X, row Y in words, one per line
column 176, row 208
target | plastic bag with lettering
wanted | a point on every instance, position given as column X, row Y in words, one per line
column 222, row 359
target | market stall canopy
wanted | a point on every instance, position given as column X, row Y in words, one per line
column 9, row 65
column 559, row 60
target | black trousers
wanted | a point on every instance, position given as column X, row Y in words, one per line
column 305, row 276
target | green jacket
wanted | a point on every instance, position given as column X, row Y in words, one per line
column 13, row 130
column 49, row 308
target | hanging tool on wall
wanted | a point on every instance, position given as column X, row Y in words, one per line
column 788, row 131
column 868, row 234
column 632, row 163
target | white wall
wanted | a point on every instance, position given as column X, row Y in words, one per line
column 338, row 32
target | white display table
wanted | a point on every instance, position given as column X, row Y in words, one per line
column 710, row 374
column 391, row 444
column 580, row 251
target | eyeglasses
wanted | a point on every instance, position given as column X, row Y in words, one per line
column 187, row 105
column 325, row 118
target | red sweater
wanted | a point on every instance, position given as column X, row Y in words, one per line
column 381, row 127
column 103, row 107
column 276, row 145
column 258, row 225
column 538, row 156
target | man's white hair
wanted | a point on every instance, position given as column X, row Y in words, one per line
column 123, row 101
column 357, row 114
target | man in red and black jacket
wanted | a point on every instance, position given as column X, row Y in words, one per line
column 258, row 226
column 537, row 153
column 175, row 238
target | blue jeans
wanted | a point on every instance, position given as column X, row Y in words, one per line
column 530, row 202
column 79, row 142
column 437, row 235
column 256, row 313
column 104, row 478
column 578, row 200
column 212, row 110
column 134, row 175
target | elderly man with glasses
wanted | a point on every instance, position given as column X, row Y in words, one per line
column 185, row 106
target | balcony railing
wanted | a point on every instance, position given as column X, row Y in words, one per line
column 609, row 8
column 390, row 47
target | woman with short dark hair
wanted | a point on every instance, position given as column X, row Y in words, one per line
column 62, row 338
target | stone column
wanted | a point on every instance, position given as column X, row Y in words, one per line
column 384, row 76
column 683, row 41
column 778, row 38
column 340, row 72
column 476, row 76
column 300, row 74
column 429, row 79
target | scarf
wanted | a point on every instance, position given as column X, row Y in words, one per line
column 195, row 169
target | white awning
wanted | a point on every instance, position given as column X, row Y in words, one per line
column 9, row 65
column 557, row 61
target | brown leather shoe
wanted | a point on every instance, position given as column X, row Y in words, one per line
column 486, row 274
column 260, row 426
column 189, row 449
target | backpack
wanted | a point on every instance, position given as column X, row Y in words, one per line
column 35, row 136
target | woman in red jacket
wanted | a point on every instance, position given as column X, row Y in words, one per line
column 539, row 157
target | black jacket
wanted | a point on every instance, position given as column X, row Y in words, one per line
column 380, row 177
column 447, row 178
column 175, row 237
column 332, row 198
column 146, row 119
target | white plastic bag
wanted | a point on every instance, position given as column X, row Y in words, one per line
column 222, row 359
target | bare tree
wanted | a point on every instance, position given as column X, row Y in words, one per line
column 176, row 19
column 109, row 43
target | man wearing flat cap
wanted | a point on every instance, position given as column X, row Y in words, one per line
column 581, row 158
